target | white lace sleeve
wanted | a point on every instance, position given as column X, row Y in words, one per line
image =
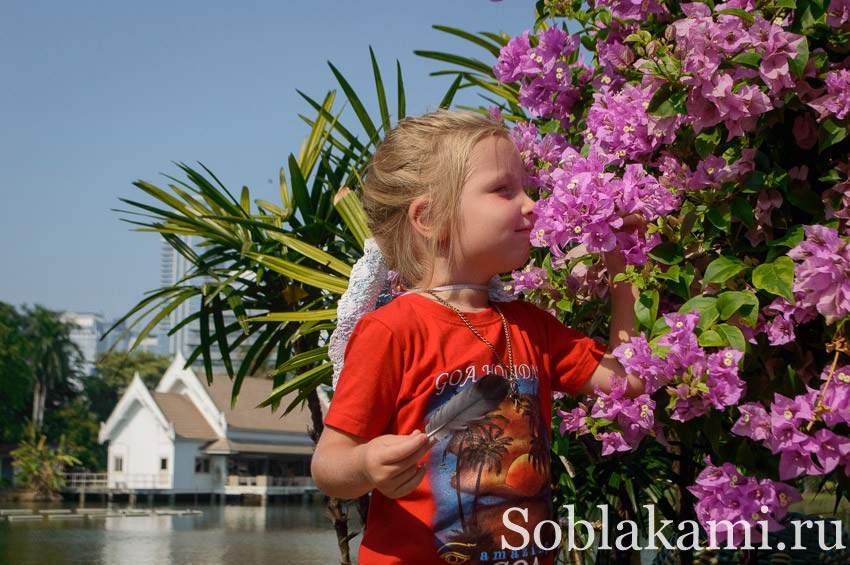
column 367, row 283
column 369, row 288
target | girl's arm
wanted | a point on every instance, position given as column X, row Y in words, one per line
column 347, row 466
column 623, row 298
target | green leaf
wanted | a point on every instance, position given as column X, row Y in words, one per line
column 245, row 201
column 356, row 104
column 314, row 253
column 380, row 92
column 297, row 383
column 733, row 336
column 720, row 216
column 776, row 277
column 746, row 16
column 749, row 59
column 743, row 211
column 300, row 316
column 301, row 273
column 667, row 102
column 710, row 338
column 830, row 133
column 350, row 209
column 791, row 238
column 807, row 199
column 402, row 102
column 551, row 126
column 494, row 48
column 646, row 308
column 300, row 195
column 668, row 253
column 707, row 141
column 798, row 63
column 306, row 358
column 450, row 93
column 744, row 302
column 706, row 306
column 466, row 62
column 722, row 269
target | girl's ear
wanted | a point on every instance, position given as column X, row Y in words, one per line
column 419, row 217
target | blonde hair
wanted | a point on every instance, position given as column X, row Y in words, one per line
column 425, row 155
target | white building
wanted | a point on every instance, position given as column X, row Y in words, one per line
column 184, row 437
column 86, row 329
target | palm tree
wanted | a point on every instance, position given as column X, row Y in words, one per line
column 276, row 270
column 459, row 444
column 486, row 450
column 40, row 466
column 53, row 358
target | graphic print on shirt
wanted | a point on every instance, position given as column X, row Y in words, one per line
column 498, row 462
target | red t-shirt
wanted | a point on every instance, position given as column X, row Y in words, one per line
column 403, row 362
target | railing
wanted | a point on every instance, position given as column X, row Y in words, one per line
column 268, row 481
column 85, row 480
column 100, row 481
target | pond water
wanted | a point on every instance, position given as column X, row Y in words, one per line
column 292, row 533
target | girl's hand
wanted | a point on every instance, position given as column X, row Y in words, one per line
column 614, row 260
column 636, row 221
column 390, row 462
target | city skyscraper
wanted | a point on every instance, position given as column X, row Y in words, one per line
column 173, row 269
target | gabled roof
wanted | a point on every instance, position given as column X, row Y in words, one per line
column 246, row 415
column 184, row 416
column 227, row 447
column 213, row 401
column 135, row 394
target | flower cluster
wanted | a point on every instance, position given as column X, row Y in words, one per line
column 626, row 421
column 550, row 84
column 695, row 379
column 766, row 203
column 731, row 95
column 838, row 12
column 821, row 280
column 785, row 428
column 723, row 493
column 630, row 10
column 540, row 156
column 836, row 101
column 529, row 278
column 586, row 206
column 619, row 124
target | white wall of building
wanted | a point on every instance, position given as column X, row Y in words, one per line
column 142, row 441
column 185, row 478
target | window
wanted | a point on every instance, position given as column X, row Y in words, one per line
column 118, row 464
column 163, row 463
column 202, row 464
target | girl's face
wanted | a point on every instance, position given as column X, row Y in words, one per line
column 496, row 214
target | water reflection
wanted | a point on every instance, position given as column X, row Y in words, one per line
column 224, row 535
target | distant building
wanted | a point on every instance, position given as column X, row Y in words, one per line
column 88, row 330
column 184, row 437
column 173, row 268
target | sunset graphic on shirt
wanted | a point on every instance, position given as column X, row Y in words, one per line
column 495, row 463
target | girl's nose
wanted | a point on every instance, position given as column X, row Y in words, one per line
column 527, row 204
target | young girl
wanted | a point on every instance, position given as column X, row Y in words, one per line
column 445, row 200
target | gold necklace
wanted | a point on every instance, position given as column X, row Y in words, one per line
column 514, row 393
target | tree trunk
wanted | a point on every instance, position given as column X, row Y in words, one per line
column 37, row 404
column 336, row 506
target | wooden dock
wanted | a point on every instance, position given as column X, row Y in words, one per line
column 24, row 515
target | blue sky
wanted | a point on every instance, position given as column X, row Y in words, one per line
column 99, row 94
